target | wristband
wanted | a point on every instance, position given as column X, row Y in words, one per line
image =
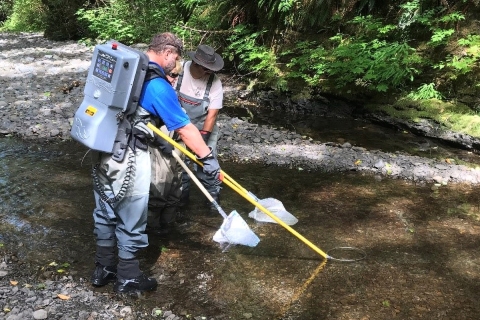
column 208, row 156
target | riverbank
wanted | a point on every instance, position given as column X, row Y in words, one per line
column 42, row 85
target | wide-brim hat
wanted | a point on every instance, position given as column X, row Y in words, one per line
column 206, row 57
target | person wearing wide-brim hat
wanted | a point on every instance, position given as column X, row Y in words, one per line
column 200, row 93
column 206, row 56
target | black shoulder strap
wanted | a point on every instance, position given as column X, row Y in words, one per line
column 153, row 72
column 209, row 86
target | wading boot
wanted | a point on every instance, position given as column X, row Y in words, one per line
column 181, row 218
column 167, row 221
column 105, row 266
column 138, row 284
column 131, row 280
column 103, row 275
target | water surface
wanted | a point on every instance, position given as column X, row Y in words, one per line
column 421, row 244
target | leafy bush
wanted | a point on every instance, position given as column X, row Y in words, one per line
column 254, row 57
column 381, row 57
column 310, row 65
column 368, row 60
column 26, row 15
column 378, row 64
column 425, row 92
column 466, row 61
column 130, row 21
column 6, row 8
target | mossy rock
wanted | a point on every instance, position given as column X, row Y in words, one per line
column 453, row 116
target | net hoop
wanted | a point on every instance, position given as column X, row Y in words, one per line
column 362, row 255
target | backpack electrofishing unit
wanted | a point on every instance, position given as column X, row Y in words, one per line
column 112, row 91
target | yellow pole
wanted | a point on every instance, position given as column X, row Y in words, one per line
column 243, row 194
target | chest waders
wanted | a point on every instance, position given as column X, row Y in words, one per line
column 106, row 120
column 197, row 110
column 165, row 188
column 121, row 190
column 130, row 138
column 111, row 124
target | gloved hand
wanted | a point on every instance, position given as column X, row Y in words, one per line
column 205, row 135
column 163, row 145
column 211, row 166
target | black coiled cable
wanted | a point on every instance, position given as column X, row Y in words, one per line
column 125, row 184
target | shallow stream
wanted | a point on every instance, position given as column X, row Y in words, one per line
column 421, row 244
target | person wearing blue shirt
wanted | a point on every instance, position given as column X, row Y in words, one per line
column 166, row 183
column 158, row 98
column 121, row 189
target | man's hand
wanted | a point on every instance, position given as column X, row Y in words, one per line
column 211, row 166
column 163, row 146
column 205, row 135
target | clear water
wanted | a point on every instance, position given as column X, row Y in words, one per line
column 420, row 243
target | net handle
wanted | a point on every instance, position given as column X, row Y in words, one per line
column 199, row 184
column 243, row 194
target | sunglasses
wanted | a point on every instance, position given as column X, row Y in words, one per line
column 173, row 75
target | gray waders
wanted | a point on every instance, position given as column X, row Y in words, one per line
column 197, row 110
column 165, row 188
column 121, row 196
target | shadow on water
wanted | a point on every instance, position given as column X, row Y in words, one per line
column 357, row 132
column 421, row 244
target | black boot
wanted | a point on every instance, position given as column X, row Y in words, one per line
column 103, row 275
column 138, row 284
column 105, row 266
column 131, row 280
column 181, row 217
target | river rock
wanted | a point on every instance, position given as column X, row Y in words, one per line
column 40, row 314
column 41, row 90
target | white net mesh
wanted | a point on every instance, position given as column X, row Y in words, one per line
column 235, row 230
column 275, row 207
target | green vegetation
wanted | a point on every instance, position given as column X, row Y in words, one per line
column 23, row 15
column 115, row 20
column 6, row 8
column 417, row 50
column 254, row 58
column 454, row 116
column 425, row 92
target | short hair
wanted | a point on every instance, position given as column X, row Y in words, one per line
column 166, row 40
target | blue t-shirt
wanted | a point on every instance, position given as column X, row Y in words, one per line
column 160, row 99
